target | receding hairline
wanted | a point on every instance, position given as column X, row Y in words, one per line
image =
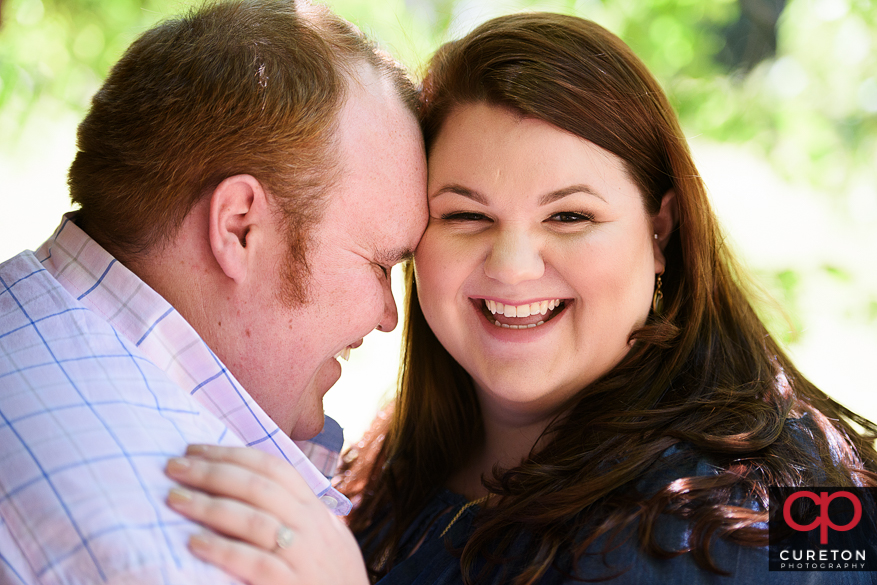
column 319, row 19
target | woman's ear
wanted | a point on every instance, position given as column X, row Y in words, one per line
column 663, row 224
column 237, row 206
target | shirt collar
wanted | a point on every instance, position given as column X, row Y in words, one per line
column 147, row 320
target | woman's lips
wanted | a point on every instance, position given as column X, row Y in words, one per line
column 520, row 316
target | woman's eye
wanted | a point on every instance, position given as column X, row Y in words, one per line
column 571, row 217
column 463, row 216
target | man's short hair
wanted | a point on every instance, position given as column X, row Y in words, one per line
column 236, row 87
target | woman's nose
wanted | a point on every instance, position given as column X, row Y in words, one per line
column 514, row 257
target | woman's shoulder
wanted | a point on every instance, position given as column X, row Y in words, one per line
column 682, row 460
column 622, row 557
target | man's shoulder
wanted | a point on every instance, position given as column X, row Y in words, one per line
column 29, row 294
column 50, row 340
column 87, row 423
column 18, row 270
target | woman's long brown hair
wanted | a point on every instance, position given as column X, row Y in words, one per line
column 705, row 373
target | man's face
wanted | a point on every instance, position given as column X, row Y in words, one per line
column 373, row 217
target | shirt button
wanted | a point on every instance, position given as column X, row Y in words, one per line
column 330, row 502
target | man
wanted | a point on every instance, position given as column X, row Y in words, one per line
column 247, row 175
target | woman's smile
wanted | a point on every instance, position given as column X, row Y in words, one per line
column 521, row 316
column 499, row 322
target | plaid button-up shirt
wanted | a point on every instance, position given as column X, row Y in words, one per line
column 101, row 380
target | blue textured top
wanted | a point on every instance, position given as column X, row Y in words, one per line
column 433, row 563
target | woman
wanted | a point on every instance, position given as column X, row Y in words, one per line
column 587, row 391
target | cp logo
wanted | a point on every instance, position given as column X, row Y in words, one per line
column 823, row 522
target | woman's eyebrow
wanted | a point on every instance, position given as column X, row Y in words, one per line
column 463, row 191
column 561, row 193
column 543, row 200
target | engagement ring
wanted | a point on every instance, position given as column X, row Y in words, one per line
column 284, row 537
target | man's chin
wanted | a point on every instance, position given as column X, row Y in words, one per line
column 327, row 376
column 307, row 428
column 310, row 417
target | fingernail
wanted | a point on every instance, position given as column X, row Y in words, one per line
column 179, row 497
column 197, row 449
column 178, row 466
column 201, row 541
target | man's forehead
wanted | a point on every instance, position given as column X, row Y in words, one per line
column 391, row 234
column 382, row 184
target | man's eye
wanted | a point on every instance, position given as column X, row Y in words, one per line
column 571, row 217
column 463, row 216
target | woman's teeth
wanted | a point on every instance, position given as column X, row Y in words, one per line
column 539, row 307
column 343, row 354
column 507, row 326
column 521, row 311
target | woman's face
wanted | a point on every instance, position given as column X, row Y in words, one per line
column 538, row 262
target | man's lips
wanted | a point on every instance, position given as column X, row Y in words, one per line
column 345, row 353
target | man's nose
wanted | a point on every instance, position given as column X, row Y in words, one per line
column 390, row 316
column 514, row 257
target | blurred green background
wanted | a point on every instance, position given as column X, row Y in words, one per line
column 778, row 99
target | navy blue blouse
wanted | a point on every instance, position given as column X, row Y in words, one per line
column 432, row 563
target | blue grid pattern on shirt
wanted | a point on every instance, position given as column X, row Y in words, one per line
column 93, row 384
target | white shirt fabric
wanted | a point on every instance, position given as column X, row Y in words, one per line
column 101, row 381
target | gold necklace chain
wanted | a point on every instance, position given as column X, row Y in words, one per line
column 465, row 507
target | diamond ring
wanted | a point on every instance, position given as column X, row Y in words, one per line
column 284, row 537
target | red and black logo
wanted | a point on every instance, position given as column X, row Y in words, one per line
column 823, row 529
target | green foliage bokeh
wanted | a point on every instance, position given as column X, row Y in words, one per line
column 809, row 110
column 812, row 108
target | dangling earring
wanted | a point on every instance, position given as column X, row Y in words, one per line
column 658, row 298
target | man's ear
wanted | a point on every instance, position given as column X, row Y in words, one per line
column 663, row 224
column 237, row 206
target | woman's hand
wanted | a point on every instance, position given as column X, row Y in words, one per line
column 267, row 526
